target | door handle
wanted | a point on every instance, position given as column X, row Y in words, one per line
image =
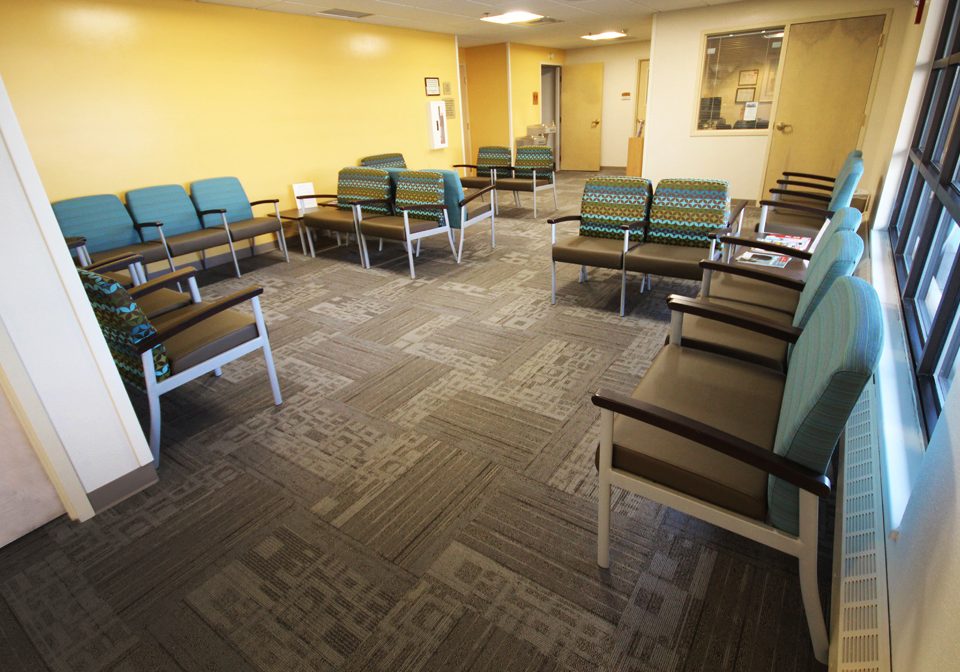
column 594, row 123
column 783, row 128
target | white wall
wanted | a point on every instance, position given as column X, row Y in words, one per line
column 672, row 150
column 619, row 75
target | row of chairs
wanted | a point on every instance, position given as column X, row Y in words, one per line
column 163, row 222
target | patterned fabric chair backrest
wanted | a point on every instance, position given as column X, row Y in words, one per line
column 102, row 220
column 833, row 359
column 221, row 193
column 394, row 160
column 364, row 184
column 838, row 258
column 846, row 183
column 609, row 202
column 539, row 157
column 169, row 204
column 123, row 325
column 492, row 156
column 685, row 211
column 420, row 187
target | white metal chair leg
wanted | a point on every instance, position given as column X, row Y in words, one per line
column 267, row 352
column 459, row 253
column 493, row 229
column 380, row 249
column 516, row 198
column 603, row 496
column 534, row 196
column 418, row 248
column 313, row 251
column 623, row 290
column 338, row 239
column 809, row 591
column 364, row 252
column 556, row 204
column 762, row 226
column 553, row 283
column 217, row 372
column 303, row 242
column 153, row 403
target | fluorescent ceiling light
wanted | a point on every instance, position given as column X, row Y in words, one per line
column 608, row 35
column 513, row 17
column 771, row 36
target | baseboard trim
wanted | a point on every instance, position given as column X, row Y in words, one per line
column 120, row 489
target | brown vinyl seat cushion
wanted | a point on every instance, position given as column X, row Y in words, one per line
column 194, row 241
column 151, row 252
column 794, row 223
column 519, row 183
column 211, row 337
column 330, row 219
column 737, row 398
column 475, row 182
column 700, row 332
column 163, row 301
column 675, row 261
column 745, row 290
column 257, row 226
column 391, row 227
column 590, row 251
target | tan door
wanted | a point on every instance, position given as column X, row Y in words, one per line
column 581, row 99
column 821, row 111
column 643, row 77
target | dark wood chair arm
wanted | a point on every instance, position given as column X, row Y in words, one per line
column 423, row 206
column 165, row 280
column 801, row 194
column 785, row 250
column 715, row 439
column 753, row 273
column 143, row 225
column 116, row 263
column 786, row 205
column 805, row 185
column 809, row 176
column 714, row 235
column 214, row 211
column 175, row 327
column 265, row 201
column 465, row 165
column 73, row 242
column 733, row 317
column 565, row 218
column 478, row 193
column 302, row 196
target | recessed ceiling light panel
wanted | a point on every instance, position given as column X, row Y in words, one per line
column 608, row 35
column 519, row 16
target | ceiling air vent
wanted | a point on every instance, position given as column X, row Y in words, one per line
column 344, row 13
column 546, row 19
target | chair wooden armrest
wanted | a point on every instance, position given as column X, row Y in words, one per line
column 303, row 196
column 733, row 317
column 801, row 194
column 165, row 280
column 117, row 263
column 786, row 205
column 753, row 273
column 748, row 241
column 715, row 439
column 477, row 194
column 565, row 218
column 265, row 201
column 174, row 327
column 808, row 176
column 465, row 165
column 73, row 242
column 805, row 185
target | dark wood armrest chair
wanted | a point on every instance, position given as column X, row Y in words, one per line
column 493, row 161
column 741, row 446
column 534, row 171
column 802, row 211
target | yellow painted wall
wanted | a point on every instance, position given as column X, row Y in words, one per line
column 487, row 96
column 525, row 62
column 118, row 94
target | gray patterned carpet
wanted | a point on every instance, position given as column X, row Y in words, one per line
column 423, row 500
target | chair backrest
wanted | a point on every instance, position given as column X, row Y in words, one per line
column 492, row 156
column 420, row 187
column 844, row 219
column 539, row 157
column 167, row 203
column 102, row 220
column 393, row 160
column 833, row 359
column 846, row 183
column 123, row 325
column 452, row 195
column 611, row 201
column 221, row 193
column 356, row 184
column 685, row 211
column 838, row 258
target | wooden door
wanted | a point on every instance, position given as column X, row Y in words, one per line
column 825, row 83
column 643, row 78
column 581, row 100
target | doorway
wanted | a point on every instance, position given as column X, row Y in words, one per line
column 581, row 113
column 550, row 106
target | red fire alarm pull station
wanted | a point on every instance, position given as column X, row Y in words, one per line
column 536, row 97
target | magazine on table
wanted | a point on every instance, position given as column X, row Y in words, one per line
column 763, row 258
column 795, row 242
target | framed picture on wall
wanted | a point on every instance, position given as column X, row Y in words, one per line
column 748, row 78
column 746, row 94
column 432, row 85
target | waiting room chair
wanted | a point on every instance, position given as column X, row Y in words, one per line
column 153, row 303
column 462, row 214
column 160, row 354
column 223, row 200
column 741, row 446
column 361, row 192
column 533, row 171
column 392, row 160
column 613, row 211
column 169, row 210
column 419, row 199
column 490, row 159
column 107, row 231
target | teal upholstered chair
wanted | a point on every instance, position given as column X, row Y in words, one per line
column 361, row 192
column 463, row 210
column 107, row 231
column 159, row 354
column 422, row 212
column 222, row 201
column 534, row 171
column 391, row 160
column 742, row 446
column 613, row 211
column 168, row 210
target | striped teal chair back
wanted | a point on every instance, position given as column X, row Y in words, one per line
column 492, row 156
column 124, row 326
column 838, row 258
column 394, row 160
column 364, row 184
column 846, row 183
column 686, row 210
column 844, row 219
column 420, row 187
column 538, row 157
column 611, row 201
column 102, row 220
column 221, row 193
column 167, row 203
column 833, row 359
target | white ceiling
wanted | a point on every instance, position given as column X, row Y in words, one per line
column 461, row 17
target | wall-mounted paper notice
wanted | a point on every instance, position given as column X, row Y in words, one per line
column 303, row 189
column 750, row 111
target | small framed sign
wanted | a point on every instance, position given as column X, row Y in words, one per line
column 748, row 78
column 432, row 85
column 746, row 94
